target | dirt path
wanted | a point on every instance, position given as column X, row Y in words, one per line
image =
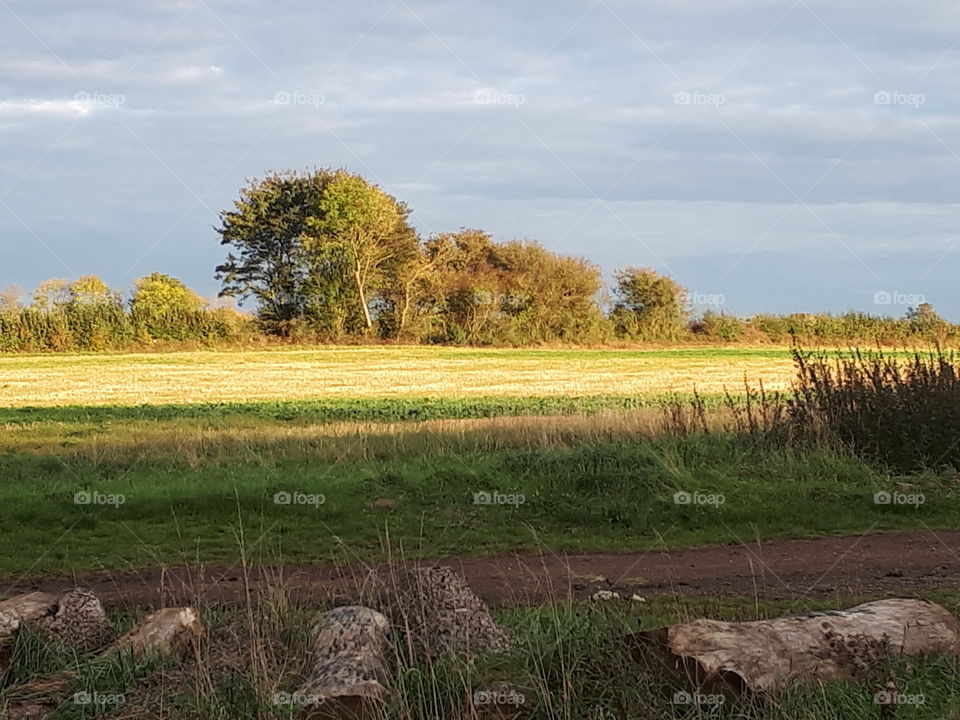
column 903, row 562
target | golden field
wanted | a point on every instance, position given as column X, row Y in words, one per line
column 210, row 376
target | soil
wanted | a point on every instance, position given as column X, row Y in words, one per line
column 904, row 563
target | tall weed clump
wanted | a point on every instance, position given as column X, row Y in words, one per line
column 901, row 412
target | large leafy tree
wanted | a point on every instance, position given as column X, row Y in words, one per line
column 325, row 247
column 265, row 231
column 371, row 228
column 477, row 290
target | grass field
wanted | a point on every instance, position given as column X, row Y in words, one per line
column 352, row 455
column 379, row 372
column 198, row 445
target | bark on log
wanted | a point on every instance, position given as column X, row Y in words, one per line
column 438, row 613
column 767, row 654
column 22, row 609
column 349, row 677
column 169, row 631
column 75, row 619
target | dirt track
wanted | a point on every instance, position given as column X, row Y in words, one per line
column 874, row 564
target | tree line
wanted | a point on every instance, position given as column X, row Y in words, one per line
column 326, row 256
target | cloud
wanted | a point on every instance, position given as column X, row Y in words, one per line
column 698, row 124
column 56, row 108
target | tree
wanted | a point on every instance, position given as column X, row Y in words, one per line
column 91, row 290
column 464, row 288
column 480, row 291
column 371, row 226
column 648, row 305
column 51, row 294
column 161, row 307
column 266, row 229
column 11, row 298
column 159, row 294
column 926, row 321
column 549, row 297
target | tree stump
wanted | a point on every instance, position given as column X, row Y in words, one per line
column 439, row 613
column 768, row 654
column 348, row 677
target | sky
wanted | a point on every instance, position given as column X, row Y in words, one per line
column 770, row 156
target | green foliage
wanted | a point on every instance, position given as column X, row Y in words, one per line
column 163, row 308
column 265, row 231
column 88, row 315
column 903, row 414
column 719, row 326
column 317, row 251
column 370, row 231
column 648, row 306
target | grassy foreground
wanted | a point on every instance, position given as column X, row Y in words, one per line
column 321, row 499
column 567, row 664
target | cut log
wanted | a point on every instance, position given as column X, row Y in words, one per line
column 79, row 622
column 768, row 654
column 75, row 619
column 22, row 609
column 438, row 613
column 169, row 631
column 349, row 677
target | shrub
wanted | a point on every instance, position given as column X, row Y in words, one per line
column 720, row 326
column 904, row 414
